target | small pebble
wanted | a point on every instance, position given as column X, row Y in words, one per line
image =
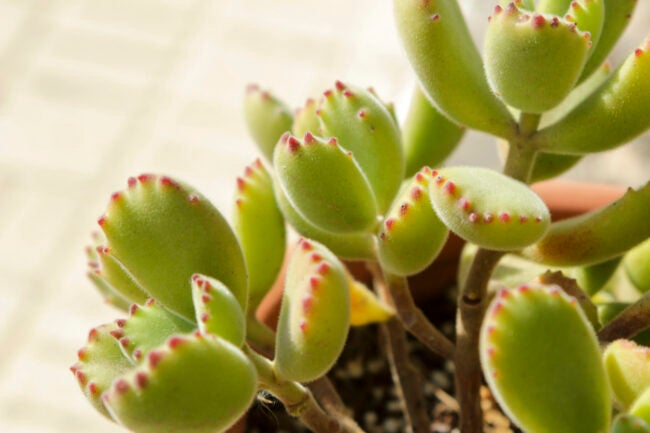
column 429, row 389
column 376, row 365
column 449, row 366
column 370, row 418
column 392, row 425
column 394, row 406
column 378, row 393
column 355, row 368
column 441, row 379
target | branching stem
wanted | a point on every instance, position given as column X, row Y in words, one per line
column 472, row 298
column 405, row 377
column 628, row 322
column 262, row 338
column 412, row 318
column 297, row 399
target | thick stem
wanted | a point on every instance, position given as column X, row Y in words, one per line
column 405, row 377
column 262, row 338
column 414, row 320
column 472, row 299
column 628, row 322
column 472, row 302
column 297, row 399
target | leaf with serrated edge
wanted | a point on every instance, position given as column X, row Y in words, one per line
column 191, row 384
column 315, row 314
column 267, row 119
column 163, row 232
column 412, row 235
column 217, row 310
column 547, row 50
column 148, row 326
column 487, row 208
column 541, row 358
column 363, row 125
column 100, row 361
column 628, row 370
column 324, row 183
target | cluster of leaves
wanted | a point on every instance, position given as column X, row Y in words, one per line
column 356, row 185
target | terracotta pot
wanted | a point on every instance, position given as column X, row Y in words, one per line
column 564, row 199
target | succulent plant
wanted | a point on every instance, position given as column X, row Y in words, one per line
column 553, row 316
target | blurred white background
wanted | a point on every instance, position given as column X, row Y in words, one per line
column 93, row 91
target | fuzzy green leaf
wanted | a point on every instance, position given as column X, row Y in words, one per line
column 217, row 310
column 315, row 314
column 541, row 358
column 260, row 228
column 163, row 232
column 364, row 126
column 637, row 266
column 429, row 137
column 267, row 119
column 325, row 185
column 148, row 326
column 533, row 61
column 349, row 246
column 412, row 235
column 487, row 208
column 441, row 51
column 192, row 384
column 628, row 370
column 597, row 236
column 617, row 17
column 614, row 114
column 100, row 361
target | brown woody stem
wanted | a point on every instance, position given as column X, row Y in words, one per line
column 628, row 322
column 405, row 377
column 414, row 320
column 297, row 399
column 262, row 338
column 472, row 299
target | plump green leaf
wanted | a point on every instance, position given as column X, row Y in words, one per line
column 487, row 208
column 412, row 235
column 191, row 384
column 163, row 232
column 267, row 119
column 315, row 314
column 324, row 183
column 448, row 65
column 260, row 228
column 542, row 361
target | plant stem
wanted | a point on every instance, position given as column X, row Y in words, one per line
column 472, row 301
column 262, row 338
column 414, row 320
column 297, row 399
column 628, row 322
column 472, row 298
column 405, row 377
